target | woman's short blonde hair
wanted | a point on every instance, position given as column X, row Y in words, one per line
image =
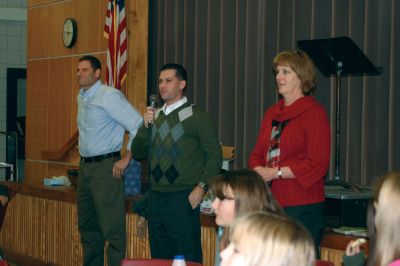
column 384, row 228
column 301, row 64
column 267, row 239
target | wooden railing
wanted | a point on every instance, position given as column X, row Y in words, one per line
column 59, row 154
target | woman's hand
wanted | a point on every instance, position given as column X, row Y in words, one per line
column 266, row 173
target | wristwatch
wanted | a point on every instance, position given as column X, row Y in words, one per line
column 279, row 172
column 204, row 186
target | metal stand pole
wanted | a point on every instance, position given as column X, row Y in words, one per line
column 337, row 144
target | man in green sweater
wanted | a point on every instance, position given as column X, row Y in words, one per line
column 183, row 151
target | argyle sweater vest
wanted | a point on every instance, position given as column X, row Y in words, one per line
column 181, row 148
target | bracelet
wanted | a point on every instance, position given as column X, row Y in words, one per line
column 204, row 186
column 279, row 172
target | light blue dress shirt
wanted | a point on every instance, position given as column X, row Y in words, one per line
column 104, row 114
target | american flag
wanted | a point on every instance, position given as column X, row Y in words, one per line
column 115, row 32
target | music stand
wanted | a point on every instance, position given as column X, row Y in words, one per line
column 338, row 56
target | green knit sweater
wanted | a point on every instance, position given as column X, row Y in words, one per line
column 181, row 148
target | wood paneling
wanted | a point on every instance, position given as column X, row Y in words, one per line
column 36, row 108
column 332, row 255
column 35, row 171
column 38, row 32
column 57, row 169
column 208, row 241
column 75, row 91
column 60, row 102
column 58, row 13
column 32, row 3
column 102, row 40
column 44, row 229
column 137, row 56
column 87, row 15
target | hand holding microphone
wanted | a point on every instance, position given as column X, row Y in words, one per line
column 149, row 115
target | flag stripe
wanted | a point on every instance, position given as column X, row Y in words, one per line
column 115, row 32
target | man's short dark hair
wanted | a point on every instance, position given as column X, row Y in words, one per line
column 94, row 61
column 180, row 71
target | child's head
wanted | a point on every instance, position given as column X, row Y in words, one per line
column 241, row 192
column 262, row 239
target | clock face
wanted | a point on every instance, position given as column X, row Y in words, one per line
column 69, row 32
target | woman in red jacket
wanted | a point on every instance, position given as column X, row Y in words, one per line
column 293, row 146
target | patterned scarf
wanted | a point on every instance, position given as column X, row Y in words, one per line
column 274, row 152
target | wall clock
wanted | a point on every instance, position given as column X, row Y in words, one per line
column 70, row 32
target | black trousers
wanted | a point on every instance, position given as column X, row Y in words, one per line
column 312, row 217
column 174, row 227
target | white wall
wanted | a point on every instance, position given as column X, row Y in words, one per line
column 12, row 54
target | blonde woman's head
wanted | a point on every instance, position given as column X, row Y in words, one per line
column 266, row 239
column 386, row 219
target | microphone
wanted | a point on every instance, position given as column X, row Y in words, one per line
column 153, row 101
column 153, row 104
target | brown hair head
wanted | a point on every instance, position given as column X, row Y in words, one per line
column 249, row 190
column 301, row 64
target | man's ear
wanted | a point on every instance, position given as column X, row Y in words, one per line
column 97, row 73
column 182, row 84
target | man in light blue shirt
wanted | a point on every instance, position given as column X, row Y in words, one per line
column 104, row 114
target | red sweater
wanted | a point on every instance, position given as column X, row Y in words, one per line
column 304, row 147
